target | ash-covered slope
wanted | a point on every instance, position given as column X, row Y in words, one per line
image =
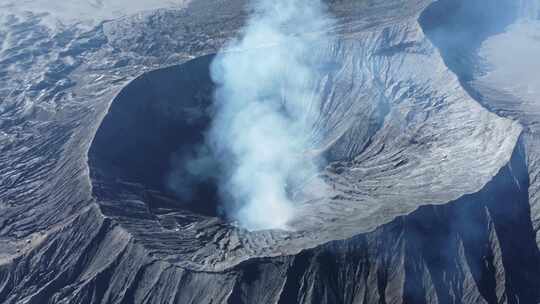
column 432, row 195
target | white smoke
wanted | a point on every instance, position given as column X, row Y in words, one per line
column 265, row 110
column 513, row 56
column 529, row 9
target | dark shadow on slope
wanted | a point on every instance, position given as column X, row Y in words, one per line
column 159, row 117
column 479, row 229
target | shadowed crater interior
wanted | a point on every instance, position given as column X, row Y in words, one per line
column 155, row 121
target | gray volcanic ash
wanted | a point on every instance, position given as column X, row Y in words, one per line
column 126, row 154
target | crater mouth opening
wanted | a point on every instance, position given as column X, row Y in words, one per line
column 154, row 122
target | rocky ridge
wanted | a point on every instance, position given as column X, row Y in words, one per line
column 434, row 197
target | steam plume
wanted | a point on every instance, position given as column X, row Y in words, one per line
column 265, row 111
